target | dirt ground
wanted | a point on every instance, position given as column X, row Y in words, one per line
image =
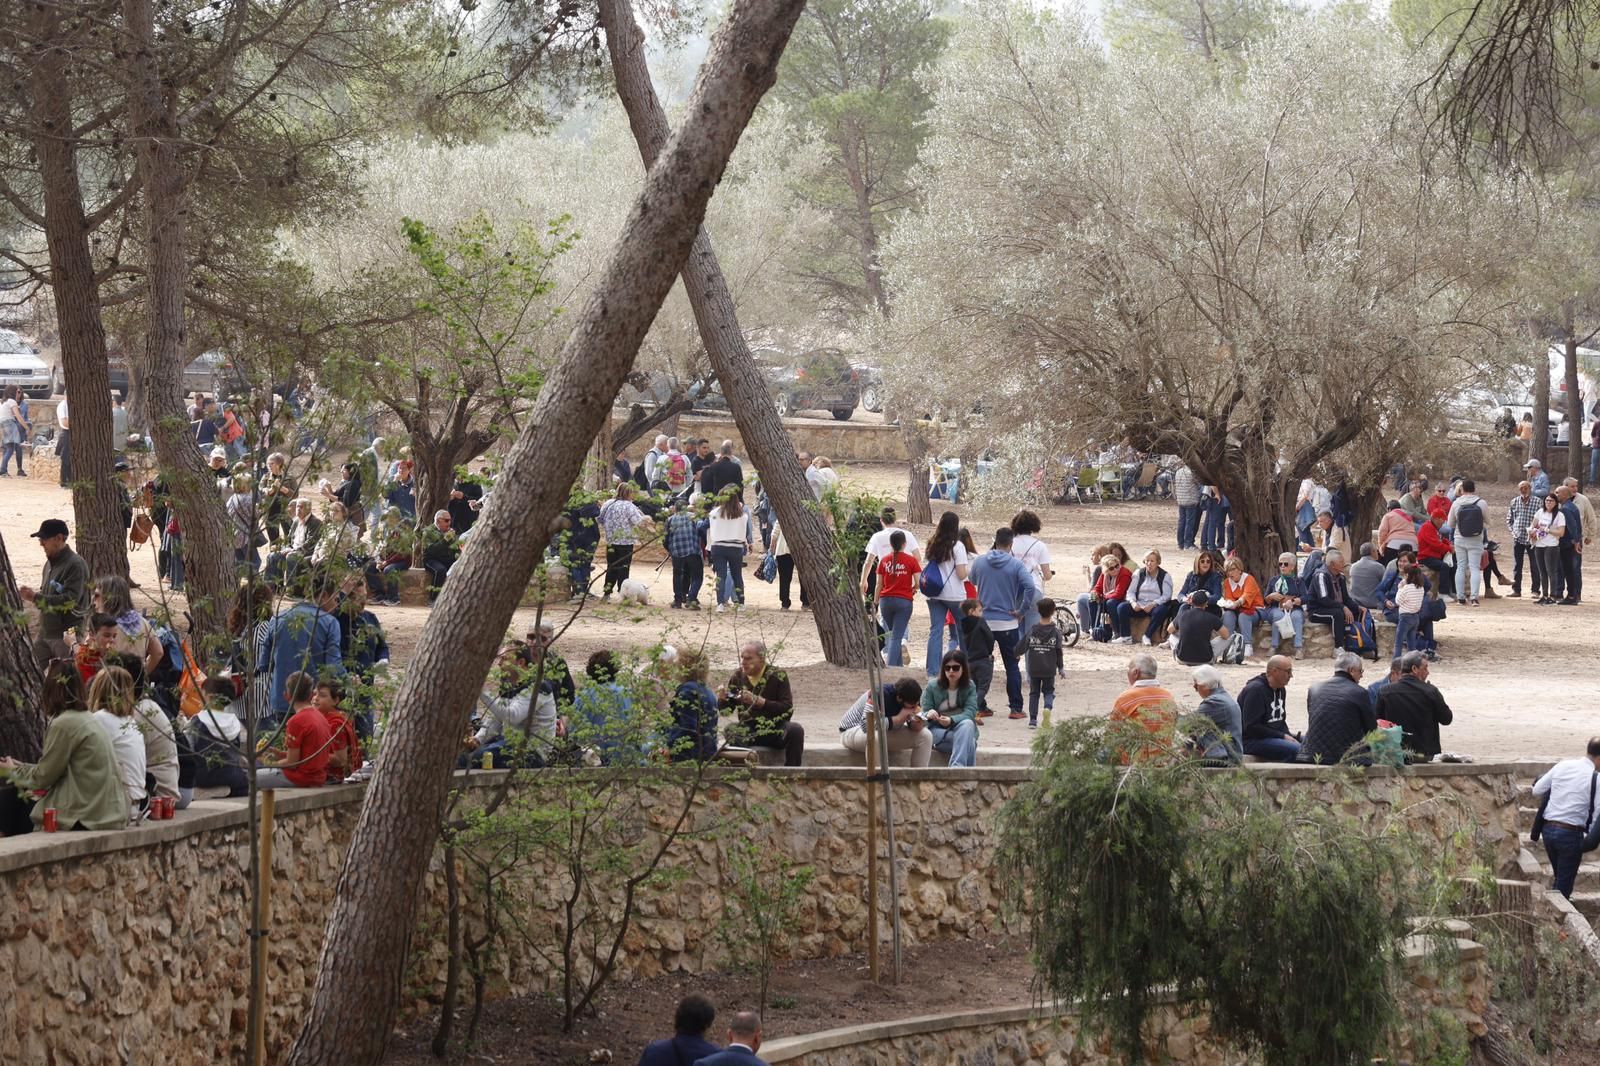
column 1520, row 678
column 805, row 997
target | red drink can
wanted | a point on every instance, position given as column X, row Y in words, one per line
column 49, row 819
column 169, row 807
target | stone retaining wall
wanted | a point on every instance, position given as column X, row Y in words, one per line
column 137, row 940
column 851, row 442
column 1445, row 1003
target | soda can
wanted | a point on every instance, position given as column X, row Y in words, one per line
column 488, row 760
column 49, row 819
column 172, row 806
column 161, row 808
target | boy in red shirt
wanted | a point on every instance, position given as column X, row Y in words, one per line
column 307, row 741
column 101, row 639
column 344, row 753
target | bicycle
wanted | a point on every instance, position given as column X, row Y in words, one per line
column 1067, row 622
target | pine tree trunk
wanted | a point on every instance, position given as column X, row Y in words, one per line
column 364, row 948
column 833, row 602
column 207, row 531
column 96, row 502
column 21, row 723
column 1575, row 432
column 919, row 510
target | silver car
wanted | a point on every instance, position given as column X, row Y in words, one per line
column 20, row 365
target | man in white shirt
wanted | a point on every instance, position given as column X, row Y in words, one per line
column 64, row 442
column 657, row 452
column 878, row 548
column 1567, row 821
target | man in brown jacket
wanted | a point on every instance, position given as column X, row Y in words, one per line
column 760, row 698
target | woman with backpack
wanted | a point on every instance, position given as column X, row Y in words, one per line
column 897, row 574
column 943, row 584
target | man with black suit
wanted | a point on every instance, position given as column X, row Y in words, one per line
column 689, row 1043
column 744, row 1040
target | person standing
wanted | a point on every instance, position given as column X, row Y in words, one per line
column 1549, row 525
column 64, row 442
column 622, row 521
column 302, row 639
column 1568, row 792
column 1579, row 529
column 465, row 502
column 1005, row 588
column 728, row 538
column 723, row 473
column 1186, row 491
column 1045, row 662
column 14, row 430
column 1537, row 478
column 1035, row 555
column 687, row 554
column 744, row 1040
column 1520, row 513
column 652, row 459
column 1468, row 518
column 944, row 584
column 63, row 593
column 688, row 1043
column 119, row 423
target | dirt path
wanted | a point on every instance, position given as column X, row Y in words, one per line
column 1521, row 679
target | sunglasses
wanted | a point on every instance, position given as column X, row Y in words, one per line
column 1285, row 564
column 956, row 667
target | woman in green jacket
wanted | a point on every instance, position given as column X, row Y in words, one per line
column 77, row 770
column 950, row 705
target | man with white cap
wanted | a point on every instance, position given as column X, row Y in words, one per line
column 1537, row 478
column 218, row 465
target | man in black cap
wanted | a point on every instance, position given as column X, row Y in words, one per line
column 63, row 593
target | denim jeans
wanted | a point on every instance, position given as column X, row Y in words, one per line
column 937, row 609
column 1519, row 551
column 6, row 452
column 728, row 561
column 1469, row 571
column 173, row 544
column 959, row 742
column 1405, row 633
column 1121, row 612
column 1088, row 612
column 1565, row 848
column 895, row 613
column 1297, row 618
column 1036, row 686
column 1006, row 642
column 1241, row 622
column 1188, row 525
column 1594, row 465
column 1555, row 581
column 1213, row 530
column 1272, row 749
column 687, row 574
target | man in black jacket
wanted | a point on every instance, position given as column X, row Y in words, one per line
column 725, row 471
column 1339, row 715
column 1263, row 703
column 1416, row 707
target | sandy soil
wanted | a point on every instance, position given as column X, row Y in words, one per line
column 1520, row 678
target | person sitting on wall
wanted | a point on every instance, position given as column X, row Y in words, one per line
column 899, row 703
column 1339, row 716
column 1218, row 745
column 759, row 695
column 1417, row 707
column 950, row 704
column 1146, row 702
column 1263, row 706
column 77, row 770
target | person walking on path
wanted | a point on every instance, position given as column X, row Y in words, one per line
column 14, row 430
column 1567, row 795
column 1005, row 589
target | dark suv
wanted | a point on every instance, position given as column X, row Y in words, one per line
column 821, row 379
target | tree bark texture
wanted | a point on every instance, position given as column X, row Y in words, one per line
column 837, row 611
column 1539, row 447
column 96, row 503
column 207, row 531
column 364, row 950
column 854, row 156
column 1574, row 404
column 919, row 510
column 21, row 723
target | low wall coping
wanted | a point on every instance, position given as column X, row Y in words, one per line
column 38, row 848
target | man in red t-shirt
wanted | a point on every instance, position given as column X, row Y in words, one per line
column 307, row 741
column 344, row 753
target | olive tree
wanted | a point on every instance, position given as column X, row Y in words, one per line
column 1253, row 276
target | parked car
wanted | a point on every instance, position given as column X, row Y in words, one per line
column 821, row 379
column 871, row 380
column 20, row 365
column 216, row 375
column 117, row 371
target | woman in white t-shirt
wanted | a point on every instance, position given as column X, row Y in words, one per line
column 1035, row 555
column 945, row 567
column 1545, row 536
column 111, row 696
column 14, row 430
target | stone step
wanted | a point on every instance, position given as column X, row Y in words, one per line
column 1587, row 881
column 1588, row 904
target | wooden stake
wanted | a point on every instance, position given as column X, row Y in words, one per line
column 872, row 837
column 262, row 923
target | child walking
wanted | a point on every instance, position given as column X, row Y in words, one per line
column 977, row 640
column 1409, row 600
column 1045, row 662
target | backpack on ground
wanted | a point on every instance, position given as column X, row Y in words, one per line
column 1101, row 633
column 1233, row 654
column 1469, row 520
column 1363, row 637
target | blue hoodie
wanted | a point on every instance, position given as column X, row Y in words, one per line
column 1005, row 588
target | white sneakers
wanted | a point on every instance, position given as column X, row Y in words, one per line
column 1122, row 640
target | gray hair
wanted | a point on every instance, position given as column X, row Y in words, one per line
column 672, row 442
column 727, row 447
column 1208, row 678
column 661, row 438
column 757, row 646
column 1144, row 665
column 1333, row 555
column 1347, row 661
column 440, row 514
column 1571, row 482
column 1411, row 660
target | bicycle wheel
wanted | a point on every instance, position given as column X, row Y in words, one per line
column 1069, row 628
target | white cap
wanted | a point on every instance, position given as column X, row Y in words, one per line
column 219, row 452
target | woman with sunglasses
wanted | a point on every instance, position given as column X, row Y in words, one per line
column 1286, row 598
column 950, row 707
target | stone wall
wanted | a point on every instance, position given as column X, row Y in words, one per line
column 137, row 940
column 1444, row 1004
column 854, row 441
